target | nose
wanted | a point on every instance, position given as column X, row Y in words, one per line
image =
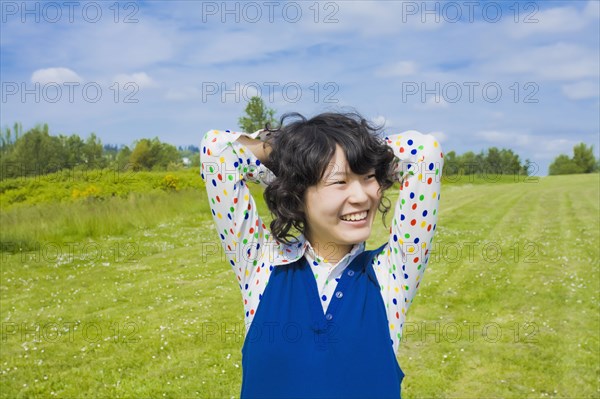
column 357, row 193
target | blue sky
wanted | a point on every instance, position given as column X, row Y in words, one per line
column 520, row 75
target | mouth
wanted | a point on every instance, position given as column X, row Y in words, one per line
column 355, row 217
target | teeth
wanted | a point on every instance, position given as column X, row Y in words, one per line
column 355, row 216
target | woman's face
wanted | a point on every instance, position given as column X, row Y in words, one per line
column 341, row 208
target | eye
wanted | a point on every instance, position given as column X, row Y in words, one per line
column 371, row 176
column 334, row 182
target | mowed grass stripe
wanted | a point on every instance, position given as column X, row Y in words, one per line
column 468, row 255
column 465, row 288
column 576, row 255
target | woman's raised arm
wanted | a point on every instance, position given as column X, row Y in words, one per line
column 401, row 266
column 227, row 165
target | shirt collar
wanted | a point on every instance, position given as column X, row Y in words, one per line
column 289, row 253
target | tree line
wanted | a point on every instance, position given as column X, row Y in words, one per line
column 37, row 152
column 494, row 162
column 506, row 162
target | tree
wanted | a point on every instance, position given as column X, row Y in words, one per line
column 74, row 147
column 141, row 156
column 257, row 116
column 167, row 155
column 36, row 152
column 152, row 154
column 493, row 161
column 123, row 157
column 511, row 164
column 469, row 163
column 451, row 166
column 92, row 151
column 563, row 165
column 7, row 140
column 584, row 158
column 583, row 161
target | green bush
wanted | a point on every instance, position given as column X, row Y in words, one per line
column 79, row 185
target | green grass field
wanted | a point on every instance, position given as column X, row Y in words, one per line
column 124, row 296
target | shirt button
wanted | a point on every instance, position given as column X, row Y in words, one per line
column 350, row 273
column 339, row 294
column 329, row 316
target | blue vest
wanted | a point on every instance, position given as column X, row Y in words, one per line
column 294, row 350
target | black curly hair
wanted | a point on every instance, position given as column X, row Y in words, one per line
column 301, row 152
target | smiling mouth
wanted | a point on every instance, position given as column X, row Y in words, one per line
column 355, row 217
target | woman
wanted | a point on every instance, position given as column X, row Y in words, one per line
column 330, row 318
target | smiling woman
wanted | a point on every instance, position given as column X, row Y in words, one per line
column 330, row 184
column 341, row 207
column 331, row 307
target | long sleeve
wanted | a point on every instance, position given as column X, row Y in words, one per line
column 400, row 267
column 226, row 168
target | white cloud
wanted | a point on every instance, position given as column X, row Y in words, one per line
column 141, row 79
column 55, row 75
column 400, row 68
column 581, row 90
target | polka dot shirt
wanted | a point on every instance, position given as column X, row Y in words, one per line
column 227, row 167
